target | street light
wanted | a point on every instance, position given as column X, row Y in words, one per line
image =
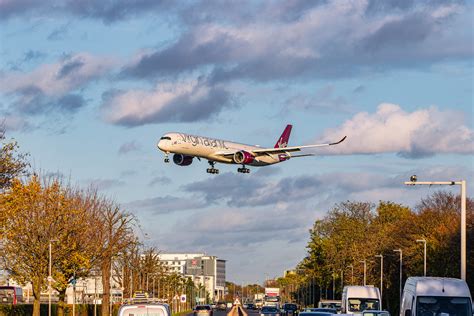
column 352, row 273
column 401, row 276
column 462, row 183
column 381, row 278
column 365, row 271
column 424, row 254
column 50, row 278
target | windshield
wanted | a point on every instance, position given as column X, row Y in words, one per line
column 202, row 308
column 362, row 304
column 143, row 311
column 434, row 306
column 269, row 310
column 290, row 306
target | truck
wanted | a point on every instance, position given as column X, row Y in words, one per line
column 272, row 297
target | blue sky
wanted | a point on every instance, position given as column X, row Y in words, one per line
column 87, row 88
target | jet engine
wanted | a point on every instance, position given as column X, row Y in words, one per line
column 243, row 157
column 182, row 160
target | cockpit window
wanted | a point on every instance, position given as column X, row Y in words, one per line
column 166, row 137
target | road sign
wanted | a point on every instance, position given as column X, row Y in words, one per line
column 183, row 298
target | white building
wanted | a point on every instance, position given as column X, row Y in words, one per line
column 201, row 268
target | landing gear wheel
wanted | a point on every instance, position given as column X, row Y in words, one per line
column 212, row 169
column 243, row 170
column 167, row 159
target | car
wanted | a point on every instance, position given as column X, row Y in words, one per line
column 213, row 306
column 251, row 306
column 289, row 309
column 269, row 311
column 315, row 314
column 145, row 309
column 375, row 313
column 221, row 306
column 321, row 309
column 202, row 310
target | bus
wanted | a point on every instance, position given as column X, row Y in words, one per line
column 11, row 295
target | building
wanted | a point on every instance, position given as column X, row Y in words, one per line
column 208, row 271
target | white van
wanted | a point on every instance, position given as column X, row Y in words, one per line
column 356, row 299
column 431, row 296
column 145, row 309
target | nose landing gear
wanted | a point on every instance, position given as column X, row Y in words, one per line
column 212, row 169
column 243, row 169
column 167, row 159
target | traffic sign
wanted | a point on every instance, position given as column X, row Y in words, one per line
column 183, row 298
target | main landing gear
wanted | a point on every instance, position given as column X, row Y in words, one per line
column 167, row 159
column 212, row 169
column 243, row 169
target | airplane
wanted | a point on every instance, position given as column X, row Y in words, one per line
column 186, row 147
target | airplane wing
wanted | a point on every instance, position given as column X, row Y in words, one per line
column 271, row 151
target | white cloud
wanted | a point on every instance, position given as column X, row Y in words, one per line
column 414, row 134
column 59, row 78
column 185, row 102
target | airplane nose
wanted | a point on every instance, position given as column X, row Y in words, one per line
column 159, row 145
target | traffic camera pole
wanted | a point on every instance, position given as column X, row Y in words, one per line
column 462, row 183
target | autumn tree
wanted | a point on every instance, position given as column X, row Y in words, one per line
column 12, row 162
column 33, row 215
column 115, row 233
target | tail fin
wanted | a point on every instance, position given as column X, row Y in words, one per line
column 285, row 136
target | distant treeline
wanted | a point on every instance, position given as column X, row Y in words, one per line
column 352, row 232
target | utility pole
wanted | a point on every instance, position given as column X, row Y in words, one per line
column 462, row 183
column 424, row 254
column 365, row 271
column 50, row 277
column 381, row 279
column 401, row 275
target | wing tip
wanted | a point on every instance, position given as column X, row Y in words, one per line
column 343, row 139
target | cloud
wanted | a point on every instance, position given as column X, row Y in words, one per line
column 127, row 147
column 390, row 129
column 160, row 180
column 322, row 101
column 105, row 184
column 54, row 87
column 240, row 192
column 242, row 45
column 182, row 102
column 166, row 204
column 107, row 11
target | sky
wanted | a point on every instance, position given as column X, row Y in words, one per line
column 88, row 87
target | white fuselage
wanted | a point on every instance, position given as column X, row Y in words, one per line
column 211, row 148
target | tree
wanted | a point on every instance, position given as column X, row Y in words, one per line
column 34, row 215
column 114, row 234
column 12, row 163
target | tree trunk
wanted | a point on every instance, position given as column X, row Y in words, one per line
column 61, row 302
column 37, row 296
column 105, row 269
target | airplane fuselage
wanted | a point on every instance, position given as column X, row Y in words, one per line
column 211, row 149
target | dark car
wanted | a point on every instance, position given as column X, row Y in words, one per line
column 221, row 306
column 289, row 309
column 251, row 306
column 269, row 311
column 202, row 310
column 322, row 310
column 315, row 314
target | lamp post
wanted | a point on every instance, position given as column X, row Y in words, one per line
column 50, row 277
column 352, row 273
column 342, row 280
column 424, row 254
column 462, row 183
column 365, row 271
column 401, row 276
column 381, row 278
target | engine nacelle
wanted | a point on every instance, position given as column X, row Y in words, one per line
column 182, row 160
column 242, row 157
